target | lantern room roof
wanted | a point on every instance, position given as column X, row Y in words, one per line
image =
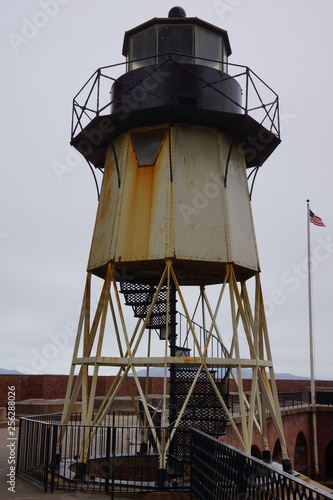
column 174, row 21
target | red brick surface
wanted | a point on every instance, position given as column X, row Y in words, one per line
column 54, row 386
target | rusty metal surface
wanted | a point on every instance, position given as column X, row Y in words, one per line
column 195, row 219
column 105, row 230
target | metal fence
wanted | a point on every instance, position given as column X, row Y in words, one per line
column 122, row 456
column 219, row 471
column 94, row 99
column 324, row 397
column 286, row 400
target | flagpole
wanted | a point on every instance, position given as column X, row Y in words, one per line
column 313, row 394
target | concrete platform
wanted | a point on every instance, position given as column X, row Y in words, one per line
column 31, row 407
column 37, row 406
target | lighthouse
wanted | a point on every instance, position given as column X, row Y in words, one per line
column 179, row 134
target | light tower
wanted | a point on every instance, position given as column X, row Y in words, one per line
column 174, row 143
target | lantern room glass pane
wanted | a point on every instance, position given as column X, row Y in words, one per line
column 209, row 46
column 142, row 46
column 176, row 39
column 225, row 59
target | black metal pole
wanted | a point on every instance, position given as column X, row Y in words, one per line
column 173, row 409
column 54, row 456
column 162, row 480
column 113, row 453
column 19, row 447
column 107, row 459
column 172, row 344
column 47, row 454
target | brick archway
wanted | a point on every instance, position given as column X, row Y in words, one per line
column 329, row 461
column 277, row 452
column 255, row 452
column 301, row 454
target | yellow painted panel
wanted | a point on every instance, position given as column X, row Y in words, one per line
column 199, row 201
column 144, row 219
column 194, row 218
column 243, row 248
column 107, row 207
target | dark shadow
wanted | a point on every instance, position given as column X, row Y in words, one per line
column 255, row 452
column 277, row 453
column 301, row 454
column 329, row 461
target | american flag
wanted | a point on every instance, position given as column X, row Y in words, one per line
column 316, row 220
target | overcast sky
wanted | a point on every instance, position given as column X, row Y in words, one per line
column 49, row 49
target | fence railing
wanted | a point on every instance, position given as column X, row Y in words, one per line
column 219, row 471
column 324, row 397
column 294, row 399
column 121, row 455
column 286, row 400
column 93, row 99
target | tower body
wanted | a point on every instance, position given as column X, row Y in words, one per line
column 192, row 218
column 176, row 141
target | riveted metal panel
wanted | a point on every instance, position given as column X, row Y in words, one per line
column 193, row 219
column 144, row 218
column 200, row 230
column 243, row 248
column 123, row 170
column 109, row 205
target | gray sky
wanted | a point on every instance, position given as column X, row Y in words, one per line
column 49, row 49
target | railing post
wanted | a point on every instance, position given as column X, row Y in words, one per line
column 54, row 457
column 72, row 124
column 278, row 114
column 19, row 446
column 114, row 437
column 46, row 457
column 98, row 88
column 27, row 439
column 241, row 483
column 107, row 459
column 247, row 90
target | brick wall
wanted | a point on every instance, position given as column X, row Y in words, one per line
column 287, row 385
column 54, row 386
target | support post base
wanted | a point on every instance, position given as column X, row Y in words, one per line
column 286, row 465
column 81, row 470
column 266, row 456
column 162, row 478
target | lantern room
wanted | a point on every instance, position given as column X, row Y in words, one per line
column 177, row 70
column 191, row 40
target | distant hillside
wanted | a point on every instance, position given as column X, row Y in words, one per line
column 289, row 376
column 246, row 373
column 159, row 372
column 4, row 371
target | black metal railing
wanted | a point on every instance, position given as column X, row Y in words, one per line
column 36, row 444
column 294, row 399
column 259, row 100
column 207, row 341
column 219, row 471
column 324, row 397
column 121, row 455
column 286, row 400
